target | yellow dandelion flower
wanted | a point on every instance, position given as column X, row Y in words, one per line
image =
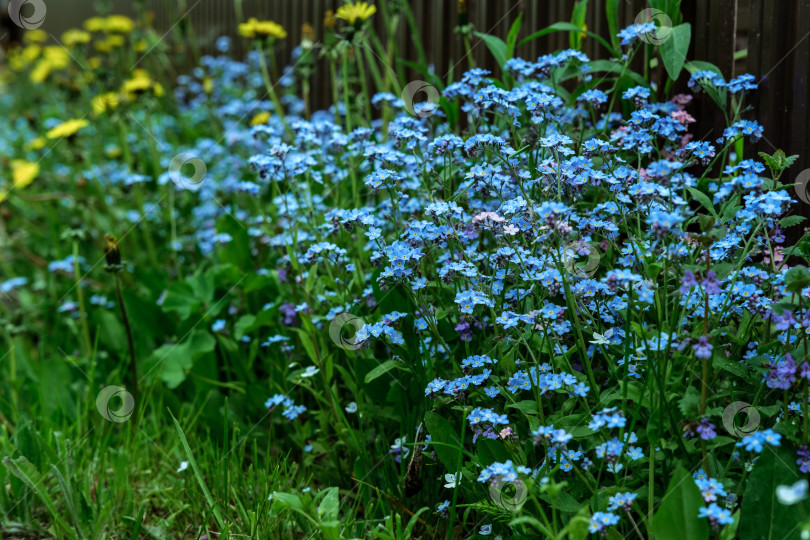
column 37, row 143
column 359, row 11
column 67, row 129
column 94, row 24
column 116, row 41
column 36, row 36
column 56, row 56
column 94, row 62
column 255, row 28
column 74, row 37
column 23, row 172
column 105, row 102
column 139, row 84
column 119, row 24
column 20, row 60
column 40, row 72
column 260, row 119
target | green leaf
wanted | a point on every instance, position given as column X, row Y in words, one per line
column 698, row 65
column 688, row 404
column 70, row 499
column 676, row 517
column 180, row 297
column 703, row 199
column 612, row 13
column 578, row 20
column 488, row 451
column 496, row 46
column 287, row 500
column 734, row 367
column 562, row 502
column 797, row 278
column 790, row 221
column 568, row 27
column 208, row 497
column 674, row 49
column 176, row 360
column 381, row 370
column 526, row 406
column 763, row 517
column 511, row 39
column 449, row 447
column 328, row 509
column 30, row 476
column 730, row 209
column 242, row 325
column 328, row 514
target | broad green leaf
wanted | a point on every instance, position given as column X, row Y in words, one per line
column 180, row 297
column 703, row 199
column 673, row 50
column 511, row 39
column 381, row 370
column 689, row 402
column 176, row 360
column 203, row 286
column 526, row 406
column 677, row 516
column 328, row 509
column 578, row 20
column 496, row 46
column 790, row 221
column 612, row 13
column 797, row 278
column 443, row 432
column 489, row 451
column 568, row 27
column 734, row 367
column 287, row 499
column 614, row 67
column 762, row 516
column 241, row 326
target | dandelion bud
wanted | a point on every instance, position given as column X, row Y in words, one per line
column 112, row 251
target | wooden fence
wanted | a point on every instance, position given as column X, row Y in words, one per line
column 775, row 34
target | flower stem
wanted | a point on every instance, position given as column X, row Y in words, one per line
column 133, row 368
column 87, row 349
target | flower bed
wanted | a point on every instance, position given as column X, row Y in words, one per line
column 533, row 306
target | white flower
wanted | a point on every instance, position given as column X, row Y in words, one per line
column 351, row 408
column 183, row 466
column 511, row 230
column 452, row 480
column 602, row 339
column 310, row 371
column 789, row 495
column 398, row 445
